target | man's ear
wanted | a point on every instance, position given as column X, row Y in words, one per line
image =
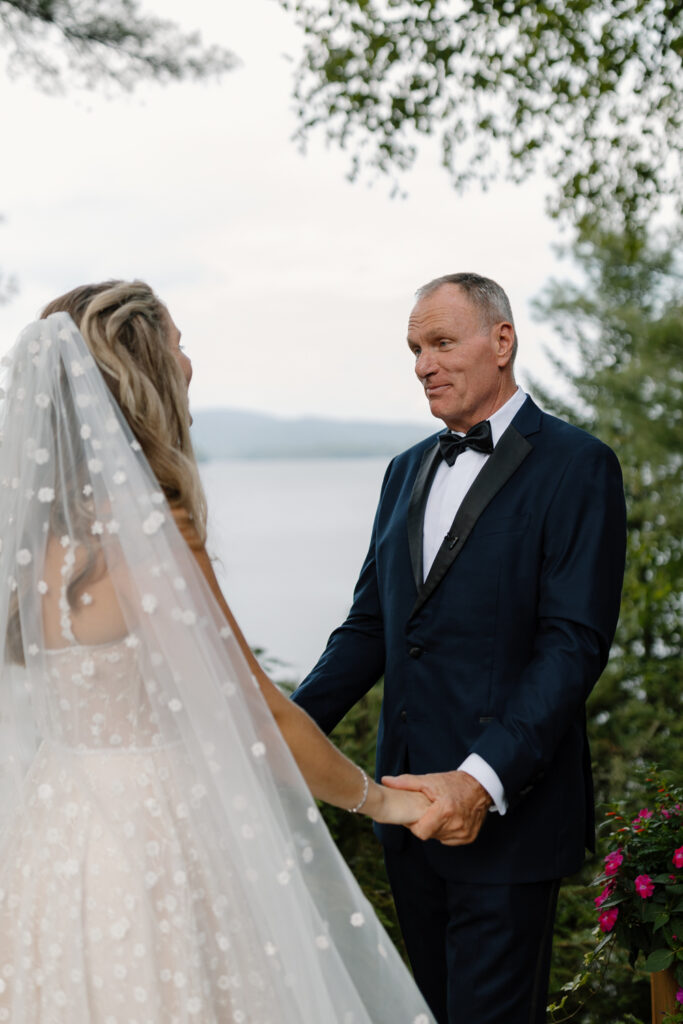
column 504, row 340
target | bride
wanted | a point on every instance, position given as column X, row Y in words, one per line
column 162, row 858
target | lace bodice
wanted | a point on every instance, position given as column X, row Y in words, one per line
column 94, row 698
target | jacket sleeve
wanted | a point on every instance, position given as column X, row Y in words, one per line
column 354, row 658
column 581, row 574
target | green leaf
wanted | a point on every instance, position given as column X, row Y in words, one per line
column 648, row 912
column 563, row 85
column 659, row 960
column 660, row 920
column 603, row 942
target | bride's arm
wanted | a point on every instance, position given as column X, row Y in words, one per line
column 329, row 774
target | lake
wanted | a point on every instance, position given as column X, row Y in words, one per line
column 290, row 537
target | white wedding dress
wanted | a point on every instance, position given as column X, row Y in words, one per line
column 161, row 859
column 121, row 915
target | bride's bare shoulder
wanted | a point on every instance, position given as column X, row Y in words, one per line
column 80, row 588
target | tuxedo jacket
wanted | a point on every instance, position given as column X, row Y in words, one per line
column 497, row 650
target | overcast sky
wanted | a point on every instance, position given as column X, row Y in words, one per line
column 291, row 286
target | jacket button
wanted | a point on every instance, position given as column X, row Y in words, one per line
column 404, row 716
column 415, row 652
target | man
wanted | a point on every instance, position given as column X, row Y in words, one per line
column 488, row 599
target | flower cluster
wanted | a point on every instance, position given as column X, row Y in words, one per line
column 640, row 904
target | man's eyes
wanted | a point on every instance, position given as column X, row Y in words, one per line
column 442, row 343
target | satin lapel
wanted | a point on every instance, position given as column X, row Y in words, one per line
column 416, row 508
column 508, row 454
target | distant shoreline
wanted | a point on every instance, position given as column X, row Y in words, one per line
column 239, row 434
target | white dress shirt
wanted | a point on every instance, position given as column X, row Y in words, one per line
column 449, row 487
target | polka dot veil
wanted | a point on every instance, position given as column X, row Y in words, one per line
column 161, row 857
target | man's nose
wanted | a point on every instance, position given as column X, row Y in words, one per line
column 425, row 365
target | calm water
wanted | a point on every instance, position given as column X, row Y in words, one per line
column 290, row 536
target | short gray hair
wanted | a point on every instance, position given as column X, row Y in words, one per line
column 485, row 295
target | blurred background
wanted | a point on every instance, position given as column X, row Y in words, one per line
column 538, row 144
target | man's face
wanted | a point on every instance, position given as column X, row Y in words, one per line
column 463, row 366
column 173, row 337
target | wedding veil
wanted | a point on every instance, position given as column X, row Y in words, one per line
column 73, row 478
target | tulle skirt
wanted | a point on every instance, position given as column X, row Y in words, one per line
column 112, row 910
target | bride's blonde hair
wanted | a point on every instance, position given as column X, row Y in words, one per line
column 125, row 326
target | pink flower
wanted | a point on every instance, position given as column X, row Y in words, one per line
column 644, row 886
column 679, row 995
column 608, row 919
column 640, row 818
column 612, row 862
column 678, row 857
column 607, row 891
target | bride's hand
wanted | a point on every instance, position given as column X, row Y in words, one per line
column 400, row 806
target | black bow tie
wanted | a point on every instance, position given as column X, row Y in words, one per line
column 477, row 437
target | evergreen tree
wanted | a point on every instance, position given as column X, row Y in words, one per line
column 625, row 325
column 622, row 328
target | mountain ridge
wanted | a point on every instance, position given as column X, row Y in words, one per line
column 226, row 433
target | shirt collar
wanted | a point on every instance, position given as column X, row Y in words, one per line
column 501, row 419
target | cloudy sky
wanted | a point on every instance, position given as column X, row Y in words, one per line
column 291, row 285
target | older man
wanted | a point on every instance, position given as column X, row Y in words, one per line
column 488, row 600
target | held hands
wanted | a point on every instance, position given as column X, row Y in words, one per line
column 398, row 806
column 457, row 809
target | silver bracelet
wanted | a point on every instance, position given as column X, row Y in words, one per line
column 366, row 785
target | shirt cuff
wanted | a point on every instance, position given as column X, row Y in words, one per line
column 480, row 770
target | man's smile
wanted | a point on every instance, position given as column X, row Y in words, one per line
column 435, row 389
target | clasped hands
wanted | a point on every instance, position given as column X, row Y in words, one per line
column 456, row 809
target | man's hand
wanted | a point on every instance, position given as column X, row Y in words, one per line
column 459, row 808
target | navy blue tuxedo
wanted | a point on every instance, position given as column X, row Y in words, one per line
column 496, row 652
